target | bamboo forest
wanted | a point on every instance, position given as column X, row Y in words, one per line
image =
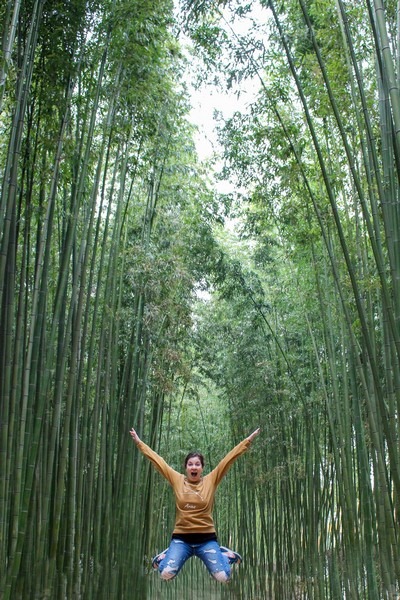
column 197, row 296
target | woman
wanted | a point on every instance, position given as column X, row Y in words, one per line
column 194, row 532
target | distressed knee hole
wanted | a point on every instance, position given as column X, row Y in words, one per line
column 168, row 573
column 221, row 576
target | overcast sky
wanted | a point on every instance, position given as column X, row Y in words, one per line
column 209, row 98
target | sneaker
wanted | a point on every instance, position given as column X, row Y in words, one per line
column 155, row 562
column 233, row 557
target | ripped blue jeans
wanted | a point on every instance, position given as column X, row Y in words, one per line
column 209, row 552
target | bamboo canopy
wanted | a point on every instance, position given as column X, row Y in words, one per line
column 196, row 300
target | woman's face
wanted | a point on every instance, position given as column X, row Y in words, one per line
column 194, row 469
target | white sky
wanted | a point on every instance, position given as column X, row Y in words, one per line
column 204, row 103
column 209, row 98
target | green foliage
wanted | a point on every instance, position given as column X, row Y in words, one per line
column 301, row 160
column 133, row 294
column 109, row 191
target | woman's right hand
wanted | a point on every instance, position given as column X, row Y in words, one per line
column 134, row 436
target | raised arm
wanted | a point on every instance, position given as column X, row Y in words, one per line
column 162, row 467
column 223, row 467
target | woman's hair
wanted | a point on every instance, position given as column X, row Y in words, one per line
column 193, row 455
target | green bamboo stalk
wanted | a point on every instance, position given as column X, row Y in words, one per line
column 9, row 184
column 374, row 243
column 390, row 213
column 9, row 405
column 83, row 516
column 344, row 246
column 82, row 266
column 372, row 351
column 388, row 62
column 19, row 520
column 8, row 39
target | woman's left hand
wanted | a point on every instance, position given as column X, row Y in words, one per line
column 253, row 435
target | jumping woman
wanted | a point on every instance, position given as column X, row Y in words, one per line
column 194, row 532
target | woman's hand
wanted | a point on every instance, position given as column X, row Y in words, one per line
column 253, row 435
column 135, row 436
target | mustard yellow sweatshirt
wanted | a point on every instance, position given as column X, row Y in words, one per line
column 194, row 501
